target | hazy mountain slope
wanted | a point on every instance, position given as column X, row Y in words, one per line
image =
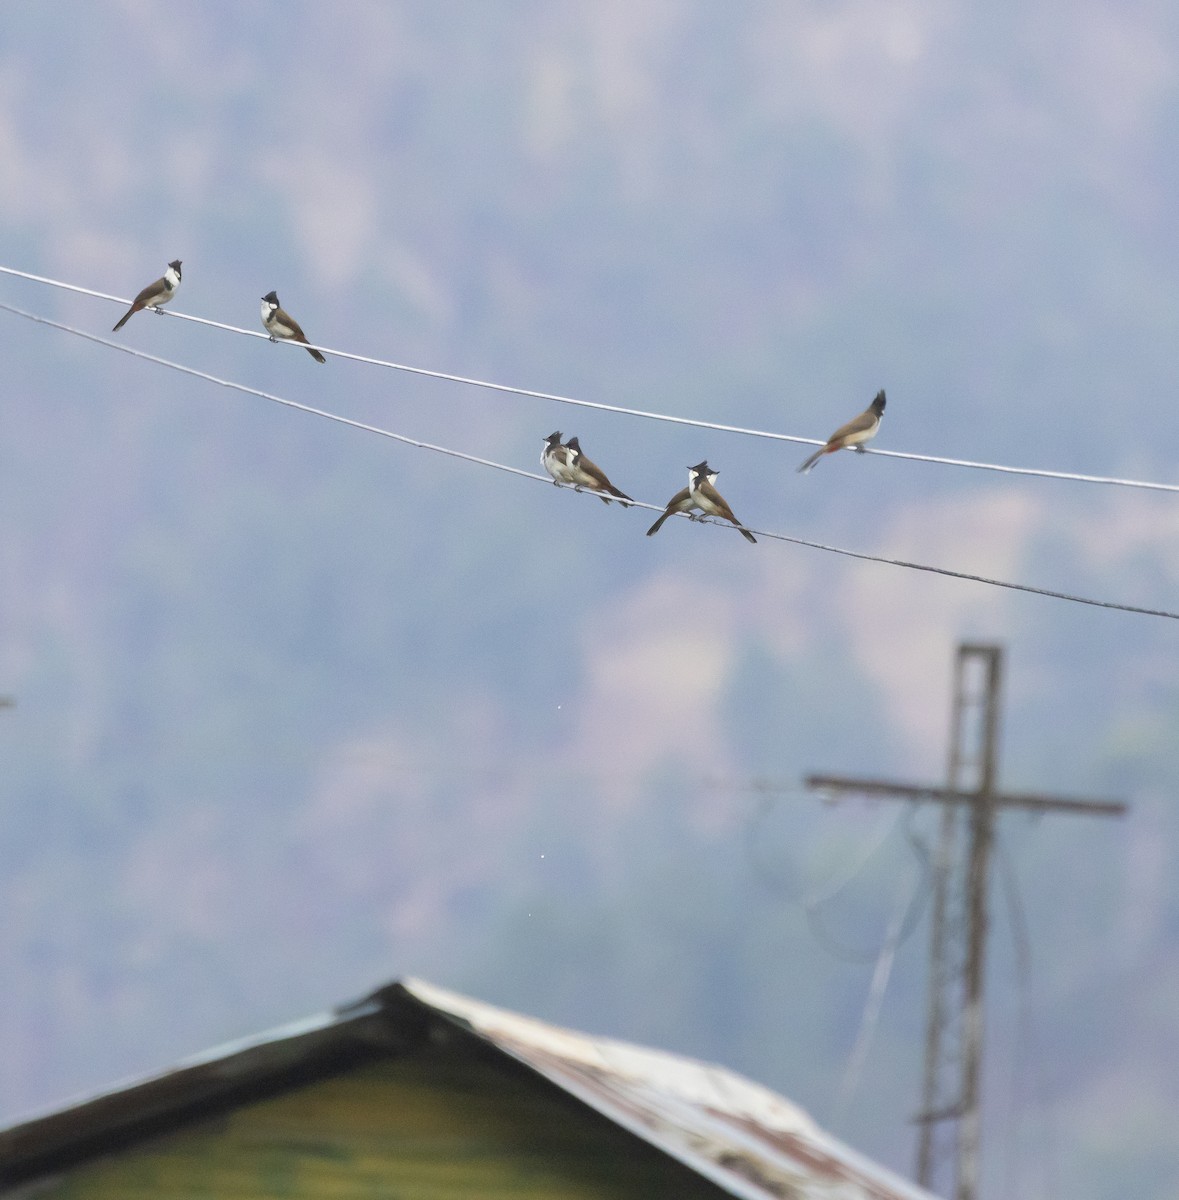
column 301, row 708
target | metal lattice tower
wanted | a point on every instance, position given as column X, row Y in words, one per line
column 953, row 1037
column 950, row 1117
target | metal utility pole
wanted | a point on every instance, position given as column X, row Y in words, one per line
column 950, row 1116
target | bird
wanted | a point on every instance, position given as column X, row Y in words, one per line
column 701, row 495
column 853, row 435
column 280, row 324
column 154, row 295
column 555, row 460
column 586, row 474
column 705, row 497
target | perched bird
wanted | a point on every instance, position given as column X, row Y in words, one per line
column 280, row 324
column 555, row 459
column 154, row 294
column 700, row 495
column 586, row 474
column 705, row 497
column 853, row 435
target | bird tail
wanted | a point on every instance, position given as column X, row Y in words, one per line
column 315, row 354
column 814, row 458
column 621, row 497
column 728, row 516
column 124, row 319
column 659, row 522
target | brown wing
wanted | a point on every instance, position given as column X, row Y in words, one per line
column 864, row 421
column 296, row 330
column 595, row 473
column 296, row 333
column 722, row 509
column 598, row 480
column 149, row 292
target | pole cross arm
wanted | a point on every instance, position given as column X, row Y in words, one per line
column 1028, row 801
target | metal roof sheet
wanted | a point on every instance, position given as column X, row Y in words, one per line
column 749, row 1141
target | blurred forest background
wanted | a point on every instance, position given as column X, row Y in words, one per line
column 301, row 710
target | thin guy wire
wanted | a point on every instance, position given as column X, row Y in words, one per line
column 1027, row 1062
column 812, row 905
column 1036, row 472
column 912, row 918
column 486, row 462
column 839, row 880
column 1011, row 1147
column 881, row 973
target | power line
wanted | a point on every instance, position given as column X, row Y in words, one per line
column 486, row 462
column 241, row 387
column 1035, row 472
column 1018, row 587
